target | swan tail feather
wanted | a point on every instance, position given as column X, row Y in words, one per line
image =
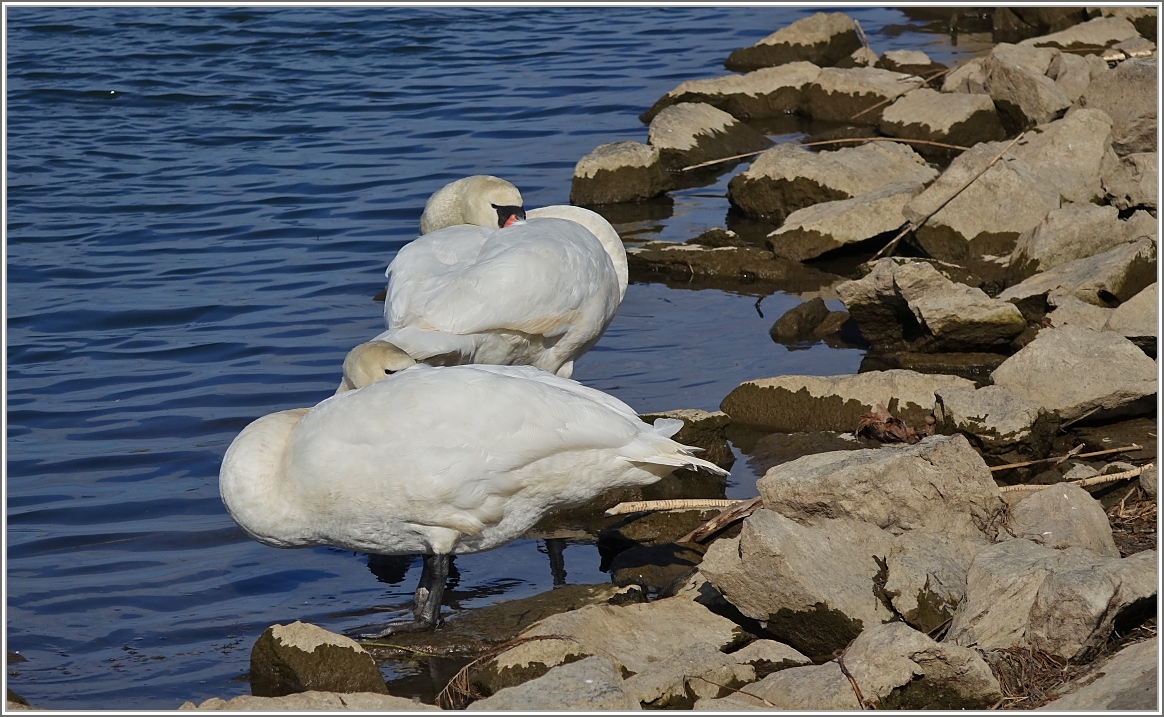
column 667, row 427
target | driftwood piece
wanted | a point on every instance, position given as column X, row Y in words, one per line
column 1084, row 482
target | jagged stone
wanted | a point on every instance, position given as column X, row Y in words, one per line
column 799, row 322
column 767, row 92
column 970, row 78
column 703, row 671
column 690, row 133
column 1023, row 97
column 1079, row 372
column 1094, row 34
column 1105, row 279
column 1141, row 225
column 809, row 232
column 1069, row 311
column 996, row 420
column 897, row 667
column 1131, row 181
column 821, row 38
column 939, row 485
column 1128, row 95
column 593, row 683
column 1124, row 681
column 1069, row 153
column 959, row 119
column 771, row 573
column 812, row 687
column 1148, row 482
column 912, row 304
column 1137, row 317
column 1072, row 75
column 1062, row 516
column 789, row 177
column 302, row 657
column 619, row 172
column 854, row 95
column 789, row 404
column 911, row 62
column 1073, row 231
column 927, row 576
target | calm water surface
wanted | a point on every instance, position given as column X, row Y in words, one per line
column 201, row 204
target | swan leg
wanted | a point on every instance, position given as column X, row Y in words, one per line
column 426, row 603
column 554, row 549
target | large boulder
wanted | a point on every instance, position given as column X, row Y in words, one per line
column 1107, row 278
column 619, row 172
column 1125, row 681
column 300, row 657
column 1072, row 75
column 854, row 95
column 1128, row 95
column 771, row 573
column 912, row 304
column 996, row 421
column 592, row 683
column 809, row 232
column 1024, row 97
column 1143, row 18
column 932, row 116
column 1069, row 154
column 927, row 576
column 821, row 38
column 690, row 133
column 1081, row 373
column 768, row 92
column 1073, row 231
column 1132, row 181
column 1092, row 35
column 940, row 485
column 790, row 404
column 789, row 177
column 1063, row 516
column 1062, row 602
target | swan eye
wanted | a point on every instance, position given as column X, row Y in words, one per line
column 508, row 214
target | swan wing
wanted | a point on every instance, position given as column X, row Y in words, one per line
column 424, row 263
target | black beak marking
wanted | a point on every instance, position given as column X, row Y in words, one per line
column 508, row 214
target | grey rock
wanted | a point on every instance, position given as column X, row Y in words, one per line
column 861, row 57
column 799, row 322
column 1127, row 680
column 912, row 304
column 986, row 218
column 771, row 573
column 769, row 654
column 1143, row 18
column 996, row 420
column 689, row 133
column 619, row 172
column 1128, row 95
column 1113, row 276
column 789, row 177
column 1070, row 311
column 313, row 701
column 820, row 38
column 927, row 576
column 1069, row 154
column 699, row 672
column 1072, row 74
column 302, row 657
column 1136, row 48
column 1131, row 181
column 854, row 95
column 1064, row 602
column 939, row 485
column 911, row 62
column 1023, row 97
column 593, row 683
column 789, row 404
column 1148, row 482
column 1073, row 231
column 812, row 687
column 1037, row 60
column 1141, row 225
column 1079, row 372
column 951, row 118
column 809, row 232
column 767, row 92
column 1100, row 32
column 734, row 264
column 1137, row 318
column 1062, row 516
column 898, row 667
column 968, row 78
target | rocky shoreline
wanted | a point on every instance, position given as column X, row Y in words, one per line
column 1005, row 245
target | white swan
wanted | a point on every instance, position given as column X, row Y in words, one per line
column 489, row 283
column 438, row 461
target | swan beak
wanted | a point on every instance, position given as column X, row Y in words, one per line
column 507, row 215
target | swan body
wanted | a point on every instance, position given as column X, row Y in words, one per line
column 439, row 461
column 503, row 290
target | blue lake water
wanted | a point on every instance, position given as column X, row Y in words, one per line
column 201, row 205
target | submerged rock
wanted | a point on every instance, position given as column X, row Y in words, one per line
column 932, row 116
column 854, row 95
column 767, row 92
column 821, row 38
column 1081, row 373
column 789, row 404
column 800, row 322
column 996, row 420
column 734, row 264
column 302, row 657
column 789, row 177
column 619, row 172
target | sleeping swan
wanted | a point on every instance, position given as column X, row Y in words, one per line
column 438, row 461
column 490, row 283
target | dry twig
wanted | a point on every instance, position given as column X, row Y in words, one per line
column 727, row 517
column 1083, row 482
column 1073, row 453
column 745, row 155
column 641, row 506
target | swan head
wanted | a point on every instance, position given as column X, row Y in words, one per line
column 371, row 361
column 482, row 200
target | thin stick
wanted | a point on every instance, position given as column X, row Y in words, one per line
column 852, row 681
column 830, row 141
column 736, row 512
column 922, row 82
column 861, row 34
column 1083, row 482
column 1133, row 447
column 640, row 506
column 913, row 226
